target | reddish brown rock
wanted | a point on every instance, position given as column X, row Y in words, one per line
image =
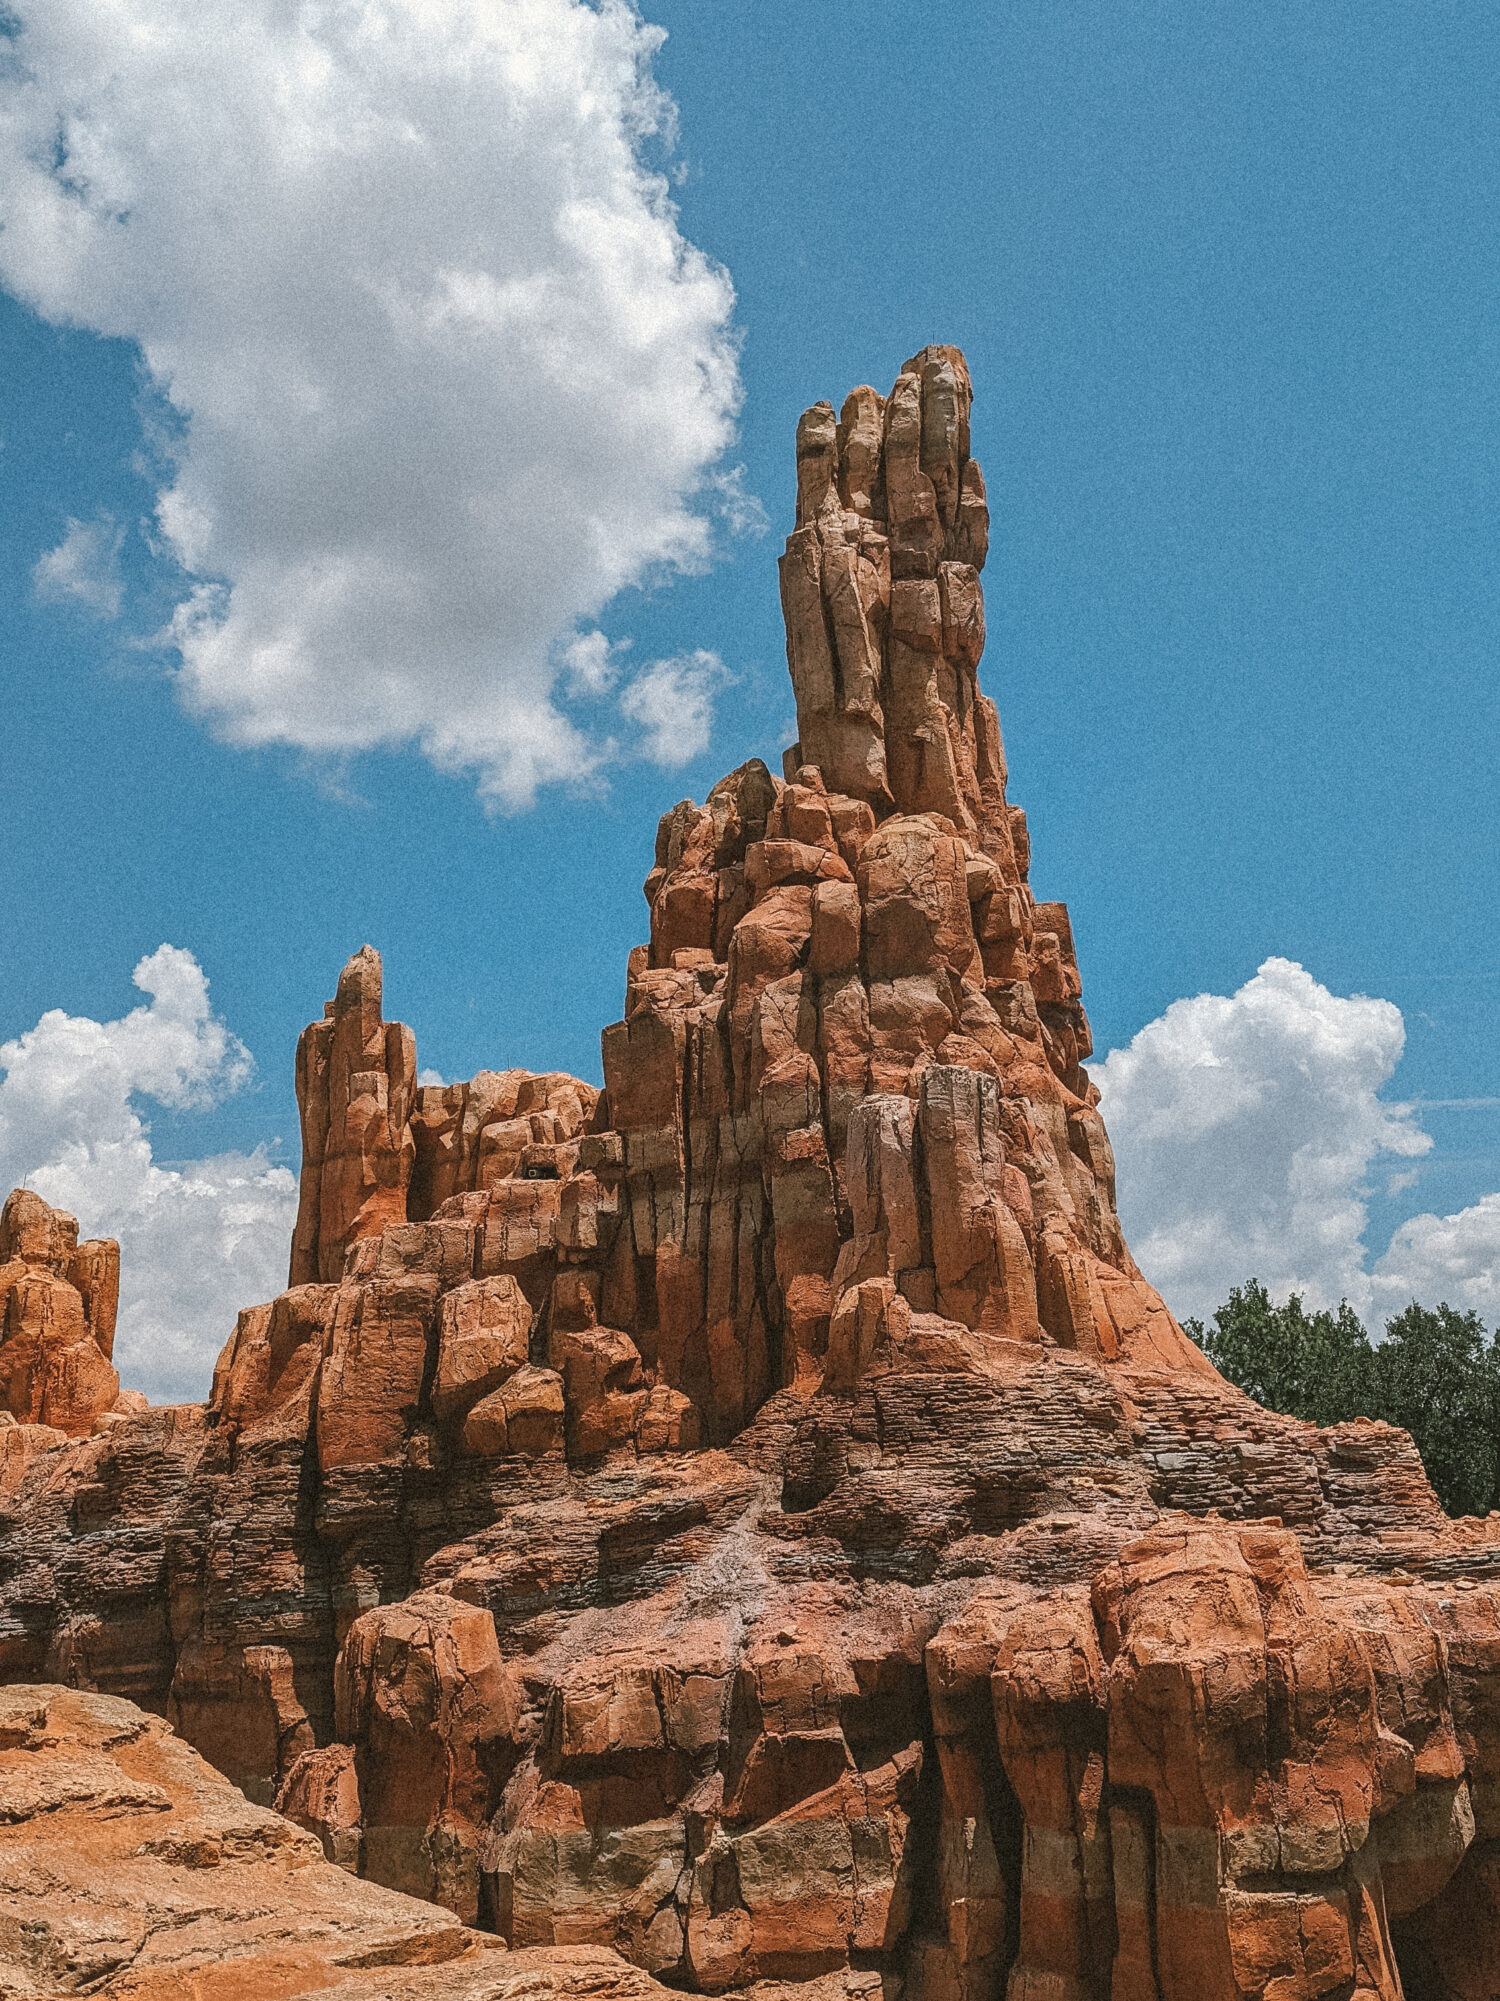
column 757, row 1519
column 57, row 1318
column 131, row 1869
column 356, row 1074
column 523, row 1417
column 421, row 1690
column 484, row 1332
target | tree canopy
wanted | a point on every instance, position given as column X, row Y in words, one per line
column 1436, row 1374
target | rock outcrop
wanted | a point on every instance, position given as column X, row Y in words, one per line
column 57, row 1320
column 131, row 1868
column 757, row 1519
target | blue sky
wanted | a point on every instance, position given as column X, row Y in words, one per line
column 1227, row 282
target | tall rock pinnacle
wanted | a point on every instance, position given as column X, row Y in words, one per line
column 884, row 611
column 757, row 1517
column 355, row 1078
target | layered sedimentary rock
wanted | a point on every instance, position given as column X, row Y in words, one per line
column 757, row 1518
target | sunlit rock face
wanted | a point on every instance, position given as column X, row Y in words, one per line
column 57, row 1323
column 756, row 1517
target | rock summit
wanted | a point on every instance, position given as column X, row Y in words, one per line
column 757, row 1518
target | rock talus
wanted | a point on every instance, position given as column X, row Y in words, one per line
column 756, row 1520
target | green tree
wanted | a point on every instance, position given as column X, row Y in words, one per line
column 1312, row 1365
column 1435, row 1375
column 1337, row 1365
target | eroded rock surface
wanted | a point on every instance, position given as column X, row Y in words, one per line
column 57, row 1322
column 130, row 1866
column 757, row 1520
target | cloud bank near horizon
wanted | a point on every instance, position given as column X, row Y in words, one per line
column 449, row 375
column 1247, row 1131
column 199, row 1239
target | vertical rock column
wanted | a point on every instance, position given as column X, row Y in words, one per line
column 57, row 1317
column 356, row 1074
column 884, row 611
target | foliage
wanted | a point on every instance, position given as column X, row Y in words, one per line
column 1435, row 1374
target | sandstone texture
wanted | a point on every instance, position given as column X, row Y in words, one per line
column 129, row 1867
column 57, row 1323
column 757, row 1520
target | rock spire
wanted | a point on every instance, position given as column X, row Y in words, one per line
column 57, row 1318
column 757, row 1518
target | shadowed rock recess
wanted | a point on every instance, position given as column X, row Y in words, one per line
column 757, row 1517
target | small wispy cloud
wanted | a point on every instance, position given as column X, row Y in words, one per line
column 592, row 664
column 672, row 702
column 83, row 568
column 741, row 512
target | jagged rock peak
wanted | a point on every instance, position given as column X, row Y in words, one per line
column 884, row 610
column 356, row 1075
column 58, row 1299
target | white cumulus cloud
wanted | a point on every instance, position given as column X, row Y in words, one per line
column 198, row 1240
column 85, row 566
column 1248, row 1132
column 672, row 703
column 1454, row 1258
column 1244, row 1129
column 449, row 373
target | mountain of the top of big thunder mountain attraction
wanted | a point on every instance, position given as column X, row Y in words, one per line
column 756, row 1519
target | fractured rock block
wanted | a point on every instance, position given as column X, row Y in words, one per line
column 484, row 1331
column 524, row 1415
column 983, row 1265
column 603, row 1385
column 421, row 1692
column 57, row 1314
column 321, row 1793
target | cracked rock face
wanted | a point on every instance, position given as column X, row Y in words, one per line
column 57, row 1324
column 128, row 1866
column 757, row 1520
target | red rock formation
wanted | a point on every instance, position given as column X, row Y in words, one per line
column 757, row 1518
column 131, row 1868
column 356, row 1074
column 57, row 1318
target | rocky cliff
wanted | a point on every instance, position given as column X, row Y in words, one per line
column 757, row 1517
column 57, row 1319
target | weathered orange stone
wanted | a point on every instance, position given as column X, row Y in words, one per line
column 757, row 1519
column 57, row 1318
